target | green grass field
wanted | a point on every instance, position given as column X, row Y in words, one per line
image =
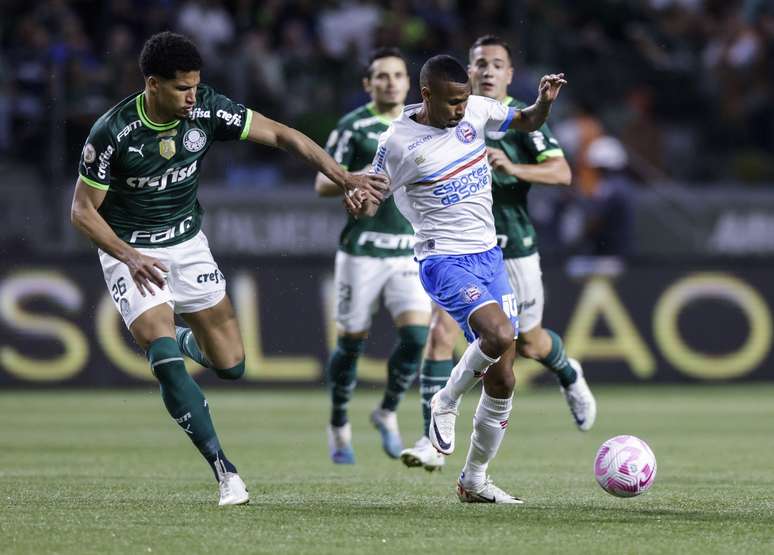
column 85, row 472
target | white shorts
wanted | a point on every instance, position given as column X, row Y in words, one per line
column 361, row 280
column 525, row 277
column 194, row 281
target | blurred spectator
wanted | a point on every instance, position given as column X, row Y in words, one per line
column 609, row 214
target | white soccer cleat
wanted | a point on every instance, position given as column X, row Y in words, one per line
column 423, row 454
column 443, row 416
column 579, row 398
column 487, row 493
column 386, row 421
column 232, row 490
column 340, row 444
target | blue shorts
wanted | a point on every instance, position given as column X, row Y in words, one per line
column 462, row 283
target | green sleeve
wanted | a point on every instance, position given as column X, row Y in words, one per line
column 542, row 144
column 97, row 157
column 341, row 145
column 230, row 120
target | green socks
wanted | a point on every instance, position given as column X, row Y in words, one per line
column 188, row 345
column 557, row 362
column 403, row 364
column 435, row 374
column 182, row 397
column 342, row 376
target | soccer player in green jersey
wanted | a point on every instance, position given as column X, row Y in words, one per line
column 136, row 199
column 375, row 259
column 519, row 160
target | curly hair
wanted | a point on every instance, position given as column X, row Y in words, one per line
column 166, row 53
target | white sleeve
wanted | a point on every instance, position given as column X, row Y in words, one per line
column 496, row 115
column 389, row 161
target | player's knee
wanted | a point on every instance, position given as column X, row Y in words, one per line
column 498, row 339
column 233, row 373
column 351, row 346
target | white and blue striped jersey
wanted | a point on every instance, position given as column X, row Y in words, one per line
column 441, row 178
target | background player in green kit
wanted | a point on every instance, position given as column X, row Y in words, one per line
column 136, row 199
column 375, row 258
column 519, row 160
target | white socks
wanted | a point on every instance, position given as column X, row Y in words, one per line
column 489, row 425
column 468, row 371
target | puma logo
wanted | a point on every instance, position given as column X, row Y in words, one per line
column 137, row 150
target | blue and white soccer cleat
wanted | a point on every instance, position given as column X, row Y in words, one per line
column 486, row 493
column 386, row 421
column 423, row 454
column 340, row 444
column 443, row 416
column 579, row 398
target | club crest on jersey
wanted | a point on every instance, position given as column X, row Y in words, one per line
column 167, row 147
column 194, row 139
column 465, row 132
column 471, row 293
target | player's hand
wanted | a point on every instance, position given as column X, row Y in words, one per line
column 364, row 207
column 549, row 87
column 144, row 271
column 499, row 160
column 371, row 186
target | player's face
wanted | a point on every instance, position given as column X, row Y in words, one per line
column 176, row 97
column 446, row 102
column 388, row 83
column 490, row 71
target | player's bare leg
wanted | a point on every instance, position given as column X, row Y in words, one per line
column 546, row 346
column 495, row 337
column 217, row 337
column 154, row 331
column 402, row 367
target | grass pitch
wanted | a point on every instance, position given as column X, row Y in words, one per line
column 84, row 472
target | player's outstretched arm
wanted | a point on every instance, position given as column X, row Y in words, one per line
column 268, row 132
column 532, row 117
column 327, row 188
column 84, row 216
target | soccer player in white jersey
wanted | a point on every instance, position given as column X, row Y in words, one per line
column 519, row 160
column 435, row 158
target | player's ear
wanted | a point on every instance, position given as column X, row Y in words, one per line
column 425, row 92
column 367, row 85
column 153, row 83
column 510, row 74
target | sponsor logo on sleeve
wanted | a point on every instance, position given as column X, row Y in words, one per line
column 104, row 162
column 230, row 118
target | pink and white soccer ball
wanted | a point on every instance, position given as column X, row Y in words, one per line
column 625, row 466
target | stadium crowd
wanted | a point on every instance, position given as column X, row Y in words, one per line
column 684, row 84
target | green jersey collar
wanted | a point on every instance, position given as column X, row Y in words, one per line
column 507, row 100
column 140, row 104
column 372, row 108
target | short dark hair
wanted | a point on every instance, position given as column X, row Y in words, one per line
column 442, row 68
column 490, row 40
column 382, row 52
column 166, row 53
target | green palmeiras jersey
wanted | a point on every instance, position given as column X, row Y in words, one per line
column 515, row 232
column 353, row 145
column 151, row 170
